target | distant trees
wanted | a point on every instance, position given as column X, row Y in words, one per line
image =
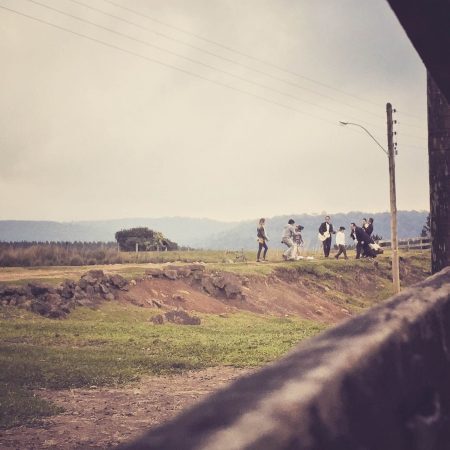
column 145, row 239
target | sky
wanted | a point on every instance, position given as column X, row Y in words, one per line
column 223, row 109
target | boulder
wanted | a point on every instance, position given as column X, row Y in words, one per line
column 119, row 282
column 182, row 318
column 171, row 274
column 38, row 289
column 154, row 272
column 96, row 274
column 208, row 286
column 219, row 281
column 158, row 320
column 232, row 290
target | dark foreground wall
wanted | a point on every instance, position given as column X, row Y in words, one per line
column 379, row 381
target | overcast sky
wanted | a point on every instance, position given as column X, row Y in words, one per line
column 88, row 131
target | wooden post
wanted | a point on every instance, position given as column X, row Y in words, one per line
column 394, row 241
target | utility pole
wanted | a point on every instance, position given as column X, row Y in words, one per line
column 394, row 240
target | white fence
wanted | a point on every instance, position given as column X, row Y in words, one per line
column 418, row 243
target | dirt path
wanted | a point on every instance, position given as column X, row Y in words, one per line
column 102, row 418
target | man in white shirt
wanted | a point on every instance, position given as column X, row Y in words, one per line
column 340, row 242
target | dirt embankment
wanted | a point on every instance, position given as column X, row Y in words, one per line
column 320, row 293
column 323, row 291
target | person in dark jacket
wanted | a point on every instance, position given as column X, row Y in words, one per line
column 369, row 227
column 262, row 239
column 362, row 241
column 325, row 232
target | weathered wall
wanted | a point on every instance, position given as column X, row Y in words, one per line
column 379, row 381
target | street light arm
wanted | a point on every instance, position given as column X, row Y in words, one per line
column 368, row 132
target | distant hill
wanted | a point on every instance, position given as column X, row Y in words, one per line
column 205, row 233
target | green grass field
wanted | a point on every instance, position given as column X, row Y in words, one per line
column 117, row 344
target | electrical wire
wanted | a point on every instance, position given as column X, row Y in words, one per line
column 157, row 33
column 246, row 55
column 153, row 60
column 148, row 44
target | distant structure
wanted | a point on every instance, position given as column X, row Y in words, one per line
column 143, row 239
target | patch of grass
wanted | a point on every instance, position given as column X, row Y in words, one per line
column 19, row 406
column 117, row 344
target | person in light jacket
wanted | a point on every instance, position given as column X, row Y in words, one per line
column 340, row 242
column 287, row 239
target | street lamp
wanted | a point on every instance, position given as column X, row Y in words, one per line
column 390, row 154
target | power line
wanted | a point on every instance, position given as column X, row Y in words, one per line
column 148, row 44
column 155, row 61
column 157, row 33
column 246, row 55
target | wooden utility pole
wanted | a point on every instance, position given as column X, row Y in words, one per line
column 439, row 163
column 394, row 240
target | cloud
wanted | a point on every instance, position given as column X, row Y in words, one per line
column 101, row 133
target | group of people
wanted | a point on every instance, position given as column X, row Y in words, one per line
column 365, row 245
column 292, row 238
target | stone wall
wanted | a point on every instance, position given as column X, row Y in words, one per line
column 378, row 381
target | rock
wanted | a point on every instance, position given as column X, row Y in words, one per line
column 67, row 289
column 208, row 286
column 132, row 282
column 233, row 289
column 118, row 282
column 182, row 318
column 103, row 289
column 90, row 291
column 219, row 281
column 37, row 289
column 109, row 296
column 52, row 299
column 89, row 279
column 197, row 275
column 83, row 284
column 158, row 320
column 96, row 274
column 154, row 272
column 178, row 297
column 196, row 267
column 170, row 274
column 40, row 307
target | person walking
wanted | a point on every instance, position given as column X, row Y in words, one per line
column 325, row 232
column 298, row 242
column 262, row 240
column 288, row 239
column 340, row 242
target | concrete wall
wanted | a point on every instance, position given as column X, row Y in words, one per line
column 378, row 381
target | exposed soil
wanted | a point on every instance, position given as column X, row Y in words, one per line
column 264, row 295
column 100, row 418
